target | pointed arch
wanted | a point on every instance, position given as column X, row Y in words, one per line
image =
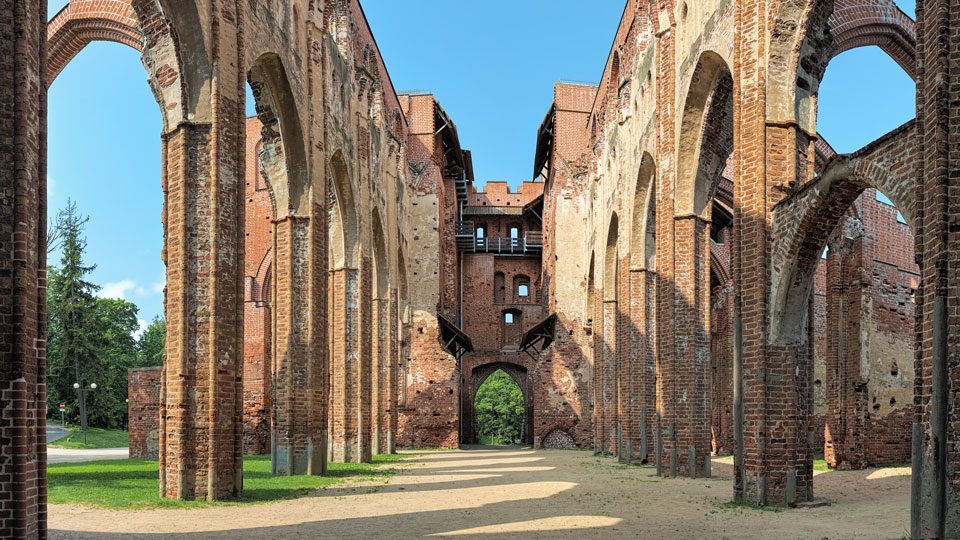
column 283, row 153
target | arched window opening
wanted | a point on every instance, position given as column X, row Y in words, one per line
column 480, row 233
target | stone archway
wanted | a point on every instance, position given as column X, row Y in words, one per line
column 475, row 378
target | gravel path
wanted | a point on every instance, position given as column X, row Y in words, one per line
column 519, row 493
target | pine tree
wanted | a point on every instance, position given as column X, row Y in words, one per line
column 70, row 309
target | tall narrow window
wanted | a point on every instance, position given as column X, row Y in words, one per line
column 508, row 317
column 479, row 232
column 514, row 233
column 522, row 291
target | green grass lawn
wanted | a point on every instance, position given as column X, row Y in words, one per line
column 820, row 465
column 96, row 438
column 133, row 483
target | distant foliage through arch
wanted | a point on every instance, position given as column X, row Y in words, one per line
column 499, row 407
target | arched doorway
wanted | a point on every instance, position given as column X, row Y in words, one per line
column 473, row 381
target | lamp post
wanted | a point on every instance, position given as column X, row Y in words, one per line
column 83, row 407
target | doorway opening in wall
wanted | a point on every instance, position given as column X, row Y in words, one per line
column 496, row 403
column 499, row 407
column 105, row 276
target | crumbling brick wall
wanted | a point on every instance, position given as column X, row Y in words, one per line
column 143, row 411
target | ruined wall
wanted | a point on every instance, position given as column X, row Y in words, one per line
column 429, row 411
column 143, row 412
column 258, row 279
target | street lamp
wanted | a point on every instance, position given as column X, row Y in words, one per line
column 83, row 407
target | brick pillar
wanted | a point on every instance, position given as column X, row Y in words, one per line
column 350, row 364
column 23, row 96
column 201, row 440
column 666, row 175
column 845, row 388
column 298, row 418
column 641, row 350
column 393, row 352
column 257, row 386
column 689, row 411
column 380, row 333
column 365, row 372
column 607, row 373
column 721, row 355
column 625, row 386
column 143, row 411
column 935, row 511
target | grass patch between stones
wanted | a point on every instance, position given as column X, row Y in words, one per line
column 134, row 483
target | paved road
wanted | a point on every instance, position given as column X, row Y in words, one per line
column 56, row 431
column 73, row 455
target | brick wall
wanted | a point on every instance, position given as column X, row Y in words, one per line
column 143, row 411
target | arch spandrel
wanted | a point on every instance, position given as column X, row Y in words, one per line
column 808, row 34
column 803, row 222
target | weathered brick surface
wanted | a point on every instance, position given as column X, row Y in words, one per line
column 143, row 412
column 689, row 90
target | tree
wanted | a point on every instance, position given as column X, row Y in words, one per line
column 499, row 407
column 151, row 344
column 89, row 339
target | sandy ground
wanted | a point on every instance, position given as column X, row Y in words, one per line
column 519, row 493
column 73, row 455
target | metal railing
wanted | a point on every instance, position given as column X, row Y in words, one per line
column 530, row 243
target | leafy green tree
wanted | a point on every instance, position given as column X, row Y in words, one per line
column 89, row 339
column 499, row 408
column 151, row 344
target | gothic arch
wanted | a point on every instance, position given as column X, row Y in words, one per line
column 344, row 223
column 283, row 154
column 478, row 375
column 169, row 35
column 810, row 33
column 706, row 135
column 803, row 222
column 610, row 260
column 643, row 229
column 261, row 282
column 381, row 267
column 81, row 22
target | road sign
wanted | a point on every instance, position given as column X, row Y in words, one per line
column 63, row 406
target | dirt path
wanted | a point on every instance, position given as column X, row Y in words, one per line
column 524, row 494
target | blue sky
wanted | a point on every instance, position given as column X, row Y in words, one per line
column 493, row 74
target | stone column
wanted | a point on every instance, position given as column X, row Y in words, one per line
column 351, row 364
column 201, row 448
column 391, row 382
column 845, row 391
column 607, row 373
column 299, row 431
column 23, row 96
column 641, row 348
column 689, row 410
column 666, row 179
column 935, row 508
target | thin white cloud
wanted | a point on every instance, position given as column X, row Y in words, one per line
column 158, row 286
column 141, row 327
column 118, row 289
